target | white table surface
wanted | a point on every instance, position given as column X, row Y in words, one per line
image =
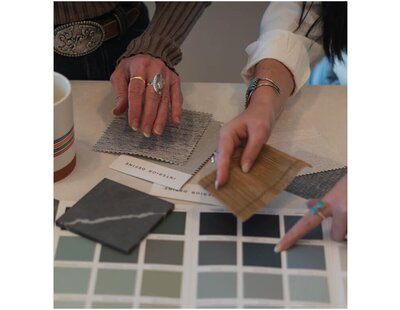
column 320, row 107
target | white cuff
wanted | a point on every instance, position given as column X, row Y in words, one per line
column 296, row 52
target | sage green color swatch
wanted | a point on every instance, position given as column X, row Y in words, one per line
column 71, row 280
column 161, row 283
column 115, row 282
column 216, row 285
column 308, row 288
column 75, row 249
column 70, row 304
column 173, row 224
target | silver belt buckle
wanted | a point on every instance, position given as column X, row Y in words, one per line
column 78, row 38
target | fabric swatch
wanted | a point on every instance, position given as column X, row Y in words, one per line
column 115, row 215
column 315, row 185
column 245, row 193
column 201, row 153
column 175, row 145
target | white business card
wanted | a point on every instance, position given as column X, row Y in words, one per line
column 190, row 192
column 150, row 171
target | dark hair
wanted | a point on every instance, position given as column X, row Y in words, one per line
column 333, row 16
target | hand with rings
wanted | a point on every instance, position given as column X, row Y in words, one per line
column 333, row 204
column 148, row 89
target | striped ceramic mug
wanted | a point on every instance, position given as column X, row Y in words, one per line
column 64, row 149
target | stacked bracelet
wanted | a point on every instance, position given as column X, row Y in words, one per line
column 253, row 85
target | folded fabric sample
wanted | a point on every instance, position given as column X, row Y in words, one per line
column 201, row 153
column 175, row 145
column 245, row 193
column 115, row 215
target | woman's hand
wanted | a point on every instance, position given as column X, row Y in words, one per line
column 147, row 110
column 335, row 206
column 246, row 134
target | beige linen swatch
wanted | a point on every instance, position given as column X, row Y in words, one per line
column 245, row 193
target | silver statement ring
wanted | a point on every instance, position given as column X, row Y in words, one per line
column 157, row 83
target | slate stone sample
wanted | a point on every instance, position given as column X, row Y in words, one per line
column 115, row 215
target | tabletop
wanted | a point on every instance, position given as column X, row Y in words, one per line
column 315, row 109
column 200, row 255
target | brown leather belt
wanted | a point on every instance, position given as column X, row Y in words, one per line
column 83, row 37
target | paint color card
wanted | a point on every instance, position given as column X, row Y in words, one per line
column 308, row 288
column 115, row 282
column 263, row 286
column 161, row 283
column 216, row 285
column 168, row 252
column 262, row 225
column 174, row 224
column 175, row 145
column 217, row 224
column 246, row 193
column 260, row 255
column 315, row 234
column 306, row 257
column 71, row 280
column 217, row 253
column 115, row 215
column 75, row 249
column 108, row 255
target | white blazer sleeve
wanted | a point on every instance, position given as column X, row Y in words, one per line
column 278, row 40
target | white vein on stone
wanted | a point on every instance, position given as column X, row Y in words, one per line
column 112, row 218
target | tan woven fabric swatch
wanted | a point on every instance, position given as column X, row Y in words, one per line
column 245, row 193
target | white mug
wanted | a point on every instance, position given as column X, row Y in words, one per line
column 64, row 148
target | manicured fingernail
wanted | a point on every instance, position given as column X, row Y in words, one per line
column 157, row 131
column 246, row 167
column 134, row 128
column 147, row 131
column 277, row 248
column 216, row 184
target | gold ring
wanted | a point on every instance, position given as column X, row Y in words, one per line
column 138, row 78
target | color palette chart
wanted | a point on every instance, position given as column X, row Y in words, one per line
column 202, row 257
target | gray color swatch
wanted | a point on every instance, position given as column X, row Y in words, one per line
column 217, row 253
column 260, row 255
column 306, row 257
column 115, row 215
column 263, row 286
column 175, row 145
column 168, row 252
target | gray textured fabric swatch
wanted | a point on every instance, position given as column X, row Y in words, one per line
column 201, row 153
column 315, row 185
column 175, row 145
